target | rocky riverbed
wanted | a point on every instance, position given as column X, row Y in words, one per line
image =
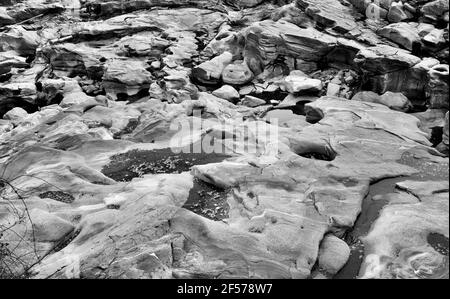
column 224, row 139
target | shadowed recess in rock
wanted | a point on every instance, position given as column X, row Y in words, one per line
column 324, row 153
column 439, row 243
column 208, row 201
column 66, row 240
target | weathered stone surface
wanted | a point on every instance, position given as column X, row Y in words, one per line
column 227, row 92
column 210, row 72
column 443, row 147
column 237, row 73
column 435, row 10
column 15, row 115
column 403, row 34
column 395, row 101
column 446, row 134
column 217, row 139
column 430, row 120
column 385, row 59
column 126, row 77
column 437, row 88
column 20, row 40
column 29, row 9
column 250, row 101
column 291, row 100
column 398, row 13
column 297, row 82
column 266, row 40
column 21, row 94
column 373, row 11
column 392, row 69
column 330, row 13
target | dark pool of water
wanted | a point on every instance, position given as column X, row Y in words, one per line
column 208, row 201
column 136, row 163
column 439, row 242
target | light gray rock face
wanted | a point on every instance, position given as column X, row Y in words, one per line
column 20, row 40
column 292, row 227
column 227, row 92
column 446, row 134
column 403, row 34
column 48, row 227
column 398, row 13
column 15, row 115
column 126, row 77
column 330, row 13
column 297, row 82
column 223, row 139
column 24, row 10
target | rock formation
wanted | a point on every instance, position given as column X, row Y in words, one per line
column 223, row 139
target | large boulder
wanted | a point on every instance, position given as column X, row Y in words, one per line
column 443, row 147
column 333, row 254
column 237, row 73
column 388, row 68
column 436, row 10
column 403, row 34
column 376, row 12
column 126, row 77
column 398, row 13
column 15, row 115
column 297, row 82
column 330, row 14
column 407, row 238
column 227, row 92
column 210, row 72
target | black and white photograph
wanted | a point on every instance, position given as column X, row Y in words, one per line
column 224, row 146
